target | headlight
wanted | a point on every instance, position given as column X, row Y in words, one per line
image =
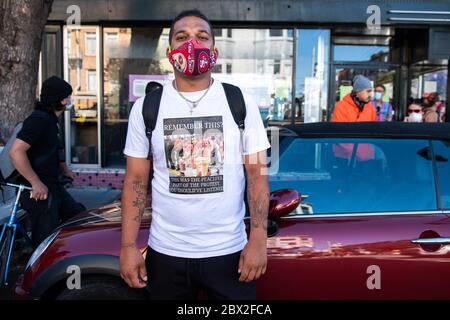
column 41, row 248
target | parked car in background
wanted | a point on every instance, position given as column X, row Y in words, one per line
column 373, row 222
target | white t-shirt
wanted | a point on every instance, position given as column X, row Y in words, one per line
column 198, row 181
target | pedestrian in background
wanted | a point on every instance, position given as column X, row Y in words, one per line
column 35, row 155
column 383, row 109
column 356, row 106
column 415, row 111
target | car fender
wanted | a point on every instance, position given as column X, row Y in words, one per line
column 102, row 264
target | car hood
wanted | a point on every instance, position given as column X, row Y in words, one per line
column 111, row 213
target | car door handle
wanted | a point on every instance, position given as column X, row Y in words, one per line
column 441, row 241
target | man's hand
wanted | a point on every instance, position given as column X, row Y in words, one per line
column 40, row 190
column 132, row 266
column 66, row 171
column 69, row 173
column 253, row 262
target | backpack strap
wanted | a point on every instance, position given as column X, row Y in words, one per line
column 237, row 106
column 150, row 111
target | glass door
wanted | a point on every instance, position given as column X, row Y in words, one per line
column 385, row 76
column 82, row 71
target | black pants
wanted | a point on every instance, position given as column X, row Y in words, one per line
column 173, row 278
column 44, row 218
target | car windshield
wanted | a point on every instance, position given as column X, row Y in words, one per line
column 354, row 175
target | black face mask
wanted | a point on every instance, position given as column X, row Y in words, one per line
column 358, row 102
column 59, row 106
column 50, row 107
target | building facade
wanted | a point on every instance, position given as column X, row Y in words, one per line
column 297, row 58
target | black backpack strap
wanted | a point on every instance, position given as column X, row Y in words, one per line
column 150, row 111
column 237, row 106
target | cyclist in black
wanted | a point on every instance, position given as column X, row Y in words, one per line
column 35, row 155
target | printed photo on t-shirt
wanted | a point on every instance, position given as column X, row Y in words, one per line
column 194, row 149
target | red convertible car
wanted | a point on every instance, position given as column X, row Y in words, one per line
column 358, row 211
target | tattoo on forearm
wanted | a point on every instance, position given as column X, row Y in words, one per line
column 141, row 190
column 259, row 205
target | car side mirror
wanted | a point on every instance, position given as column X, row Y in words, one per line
column 282, row 202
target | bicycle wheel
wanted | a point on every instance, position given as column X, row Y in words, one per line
column 4, row 254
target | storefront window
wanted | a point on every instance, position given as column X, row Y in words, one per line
column 260, row 62
column 360, row 53
column 81, row 71
column 253, row 59
column 311, row 83
column 132, row 57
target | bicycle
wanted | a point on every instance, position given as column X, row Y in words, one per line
column 8, row 234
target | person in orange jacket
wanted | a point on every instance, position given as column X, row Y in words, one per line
column 355, row 107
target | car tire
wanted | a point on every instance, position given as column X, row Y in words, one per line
column 102, row 288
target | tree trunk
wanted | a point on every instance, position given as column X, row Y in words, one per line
column 22, row 24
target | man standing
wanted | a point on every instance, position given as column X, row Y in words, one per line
column 197, row 236
column 35, row 155
column 356, row 106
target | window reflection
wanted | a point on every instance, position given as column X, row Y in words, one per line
column 360, row 53
column 257, row 60
column 311, row 75
column 81, row 45
column 378, row 175
column 441, row 151
column 132, row 58
column 260, row 62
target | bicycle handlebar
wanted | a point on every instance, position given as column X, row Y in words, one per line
column 17, row 186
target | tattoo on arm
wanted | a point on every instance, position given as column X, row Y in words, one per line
column 141, row 190
column 259, row 204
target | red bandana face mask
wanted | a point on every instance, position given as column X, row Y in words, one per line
column 192, row 58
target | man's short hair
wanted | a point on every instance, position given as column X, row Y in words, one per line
column 190, row 13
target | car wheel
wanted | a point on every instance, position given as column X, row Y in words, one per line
column 102, row 288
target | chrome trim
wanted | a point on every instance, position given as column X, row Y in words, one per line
column 337, row 215
column 441, row 241
column 420, row 19
column 418, row 12
column 41, row 248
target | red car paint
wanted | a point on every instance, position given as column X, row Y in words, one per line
column 330, row 258
column 309, row 258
